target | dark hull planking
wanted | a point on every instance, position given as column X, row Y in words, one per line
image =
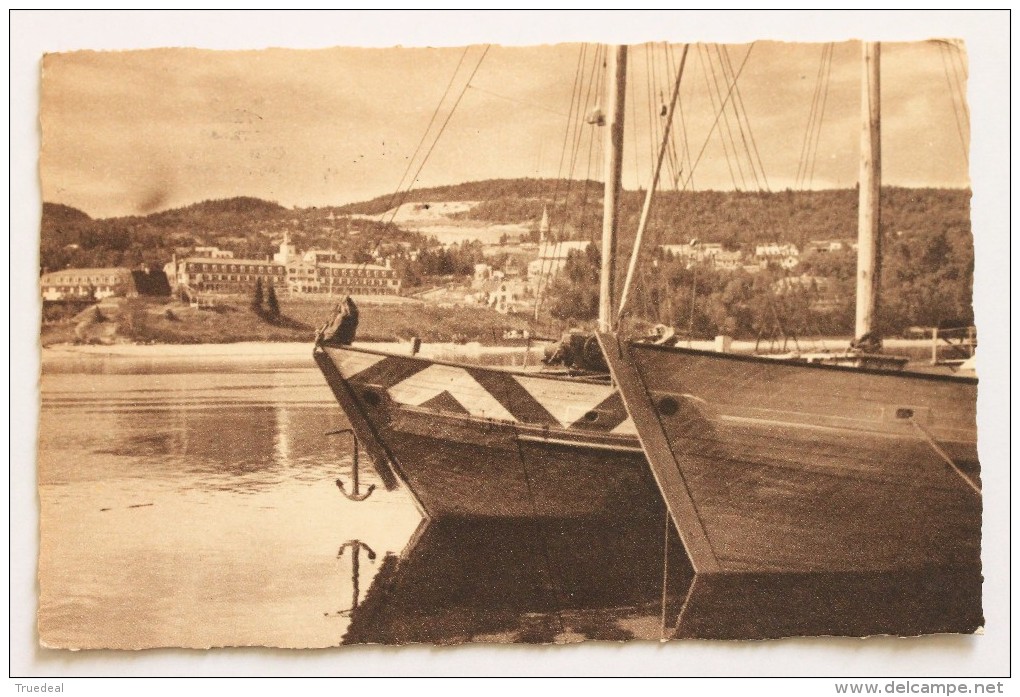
column 470, row 441
column 812, row 500
column 802, row 468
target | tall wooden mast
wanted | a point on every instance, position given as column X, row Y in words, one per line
column 869, row 240
column 617, row 68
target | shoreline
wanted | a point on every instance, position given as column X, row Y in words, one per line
column 260, row 349
column 300, row 348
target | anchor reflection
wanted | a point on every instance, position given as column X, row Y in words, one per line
column 355, row 546
column 530, row 581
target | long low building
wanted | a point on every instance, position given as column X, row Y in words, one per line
column 239, row 276
column 354, row 279
column 87, row 284
column 225, row 275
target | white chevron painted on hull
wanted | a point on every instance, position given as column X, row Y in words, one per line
column 350, row 363
column 567, row 402
column 626, row 428
column 436, row 379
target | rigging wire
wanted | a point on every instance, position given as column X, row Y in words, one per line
column 442, row 128
column 816, row 114
column 701, row 152
column 955, row 89
column 424, row 135
column 401, row 198
column 726, row 120
column 673, row 164
column 821, row 116
column 719, row 114
column 575, row 92
column 573, row 140
column 686, row 141
column 812, row 116
column 646, row 208
column 522, row 102
column 741, row 109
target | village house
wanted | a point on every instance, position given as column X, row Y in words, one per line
column 709, row 254
column 828, row 246
column 510, row 296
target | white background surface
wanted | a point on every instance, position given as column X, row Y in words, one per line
column 987, row 39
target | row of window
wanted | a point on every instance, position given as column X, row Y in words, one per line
column 276, row 270
column 236, row 268
column 78, row 290
column 239, row 278
column 361, row 273
column 109, row 280
column 366, row 281
column 354, row 290
column 234, row 288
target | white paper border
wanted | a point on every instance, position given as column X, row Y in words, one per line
column 987, row 37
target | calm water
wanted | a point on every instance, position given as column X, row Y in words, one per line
column 190, row 502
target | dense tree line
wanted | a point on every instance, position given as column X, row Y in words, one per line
column 927, row 267
column 924, row 283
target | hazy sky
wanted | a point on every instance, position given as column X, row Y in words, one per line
column 137, row 131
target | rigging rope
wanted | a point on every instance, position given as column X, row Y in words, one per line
column 701, row 152
column 816, row 114
column 821, row 116
column 955, row 88
column 594, row 83
column 575, row 93
column 517, row 101
column 665, row 576
column 741, row 109
column 453, row 109
column 712, row 96
column 809, row 129
column 424, row 135
column 442, row 128
column 927, row 436
column 726, row 118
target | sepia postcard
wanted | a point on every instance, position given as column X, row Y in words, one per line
column 639, row 341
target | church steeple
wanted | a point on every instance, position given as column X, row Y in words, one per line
column 543, row 227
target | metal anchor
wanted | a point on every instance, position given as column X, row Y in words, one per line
column 355, row 494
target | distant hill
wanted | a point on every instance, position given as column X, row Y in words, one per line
column 238, row 208
column 252, row 227
column 734, row 218
column 58, row 212
column 485, row 190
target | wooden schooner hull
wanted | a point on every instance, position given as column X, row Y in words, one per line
column 476, row 441
column 812, row 487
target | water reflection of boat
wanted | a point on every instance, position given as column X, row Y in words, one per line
column 533, row 581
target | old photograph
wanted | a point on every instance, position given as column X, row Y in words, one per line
column 487, row 344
